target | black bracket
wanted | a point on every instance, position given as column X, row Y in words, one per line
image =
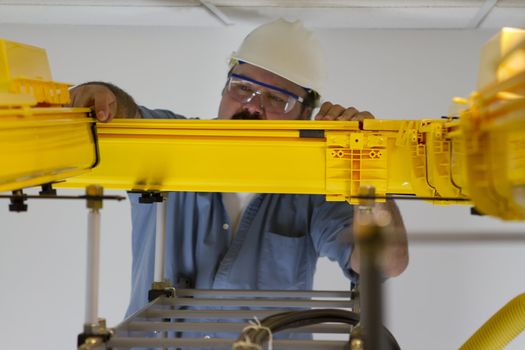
column 18, row 201
column 148, row 197
column 48, row 190
column 311, row 134
column 475, row 211
column 155, row 293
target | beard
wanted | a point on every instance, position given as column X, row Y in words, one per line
column 246, row 115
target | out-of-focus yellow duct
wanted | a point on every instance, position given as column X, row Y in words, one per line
column 501, row 328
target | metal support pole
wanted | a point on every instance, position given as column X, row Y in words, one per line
column 356, row 336
column 95, row 331
column 372, row 292
column 93, row 255
column 160, row 284
column 160, row 238
column 368, row 234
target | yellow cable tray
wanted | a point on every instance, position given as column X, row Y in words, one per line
column 480, row 156
column 42, row 145
column 40, row 141
column 331, row 158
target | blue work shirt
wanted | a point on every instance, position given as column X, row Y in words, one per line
column 278, row 240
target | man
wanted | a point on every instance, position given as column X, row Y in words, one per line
column 254, row 241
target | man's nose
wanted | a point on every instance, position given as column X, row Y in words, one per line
column 255, row 106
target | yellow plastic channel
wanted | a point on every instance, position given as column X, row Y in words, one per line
column 501, row 57
column 25, row 77
column 491, row 130
column 480, row 156
column 424, row 158
column 331, row 158
column 42, row 145
column 226, row 156
column 40, row 140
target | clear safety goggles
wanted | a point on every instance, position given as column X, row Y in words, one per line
column 273, row 99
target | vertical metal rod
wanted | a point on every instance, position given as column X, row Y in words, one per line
column 371, row 293
column 93, row 256
column 368, row 235
column 160, row 238
column 93, row 264
column 160, row 243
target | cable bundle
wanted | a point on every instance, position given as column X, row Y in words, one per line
column 254, row 336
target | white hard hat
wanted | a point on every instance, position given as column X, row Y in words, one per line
column 286, row 49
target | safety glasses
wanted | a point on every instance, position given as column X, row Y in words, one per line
column 273, row 99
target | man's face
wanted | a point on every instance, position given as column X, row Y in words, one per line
column 265, row 103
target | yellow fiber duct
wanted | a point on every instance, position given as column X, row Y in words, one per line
column 501, row 328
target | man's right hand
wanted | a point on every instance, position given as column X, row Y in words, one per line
column 98, row 97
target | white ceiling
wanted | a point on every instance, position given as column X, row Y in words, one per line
column 371, row 14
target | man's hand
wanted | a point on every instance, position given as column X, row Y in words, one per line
column 394, row 255
column 329, row 111
column 98, row 97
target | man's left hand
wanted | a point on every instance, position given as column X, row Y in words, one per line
column 329, row 111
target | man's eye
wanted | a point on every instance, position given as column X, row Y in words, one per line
column 245, row 88
column 276, row 99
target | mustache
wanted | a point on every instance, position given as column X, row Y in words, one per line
column 246, row 115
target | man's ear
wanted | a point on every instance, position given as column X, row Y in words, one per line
column 306, row 113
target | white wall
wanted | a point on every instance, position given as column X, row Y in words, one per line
column 443, row 297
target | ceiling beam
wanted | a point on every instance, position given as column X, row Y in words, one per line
column 482, row 13
column 259, row 3
column 216, row 12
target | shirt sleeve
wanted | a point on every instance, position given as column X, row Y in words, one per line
column 331, row 232
column 147, row 113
